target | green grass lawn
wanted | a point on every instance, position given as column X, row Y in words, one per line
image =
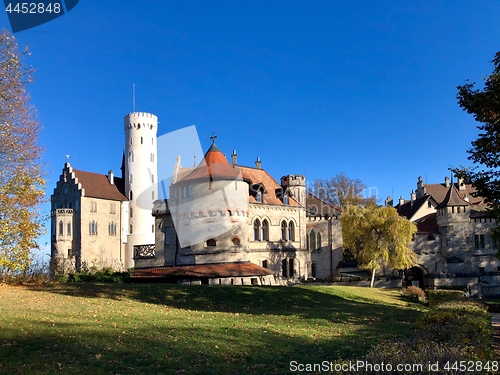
column 169, row 329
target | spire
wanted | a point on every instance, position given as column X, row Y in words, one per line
column 453, row 198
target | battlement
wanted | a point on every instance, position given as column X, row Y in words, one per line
column 138, row 120
column 293, row 180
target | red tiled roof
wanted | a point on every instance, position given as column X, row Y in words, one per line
column 256, row 176
column 97, row 186
column 204, row 270
column 213, row 166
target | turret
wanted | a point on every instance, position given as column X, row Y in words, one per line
column 297, row 186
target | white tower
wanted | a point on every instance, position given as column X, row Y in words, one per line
column 141, row 185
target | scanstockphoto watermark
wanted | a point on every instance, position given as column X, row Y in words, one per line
column 25, row 15
column 366, row 366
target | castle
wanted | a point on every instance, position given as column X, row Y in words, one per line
column 225, row 223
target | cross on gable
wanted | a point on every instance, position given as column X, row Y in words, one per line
column 213, row 137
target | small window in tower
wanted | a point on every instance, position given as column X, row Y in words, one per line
column 259, row 197
column 130, row 142
column 429, row 204
column 130, row 178
column 68, row 231
column 190, row 190
column 131, row 229
column 61, row 228
column 153, row 178
column 152, row 141
column 152, row 228
column 153, row 195
column 141, row 141
column 264, row 263
column 131, row 195
column 131, row 212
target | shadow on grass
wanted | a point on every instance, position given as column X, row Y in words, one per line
column 164, row 328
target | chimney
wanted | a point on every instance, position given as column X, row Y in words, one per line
column 447, row 181
column 111, row 177
column 389, row 202
column 257, row 162
column 233, row 157
column 461, row 185
column 401, row 201
column 413, row 197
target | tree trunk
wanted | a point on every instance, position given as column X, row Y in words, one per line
column 373, row 278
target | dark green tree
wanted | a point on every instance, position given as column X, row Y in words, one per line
column 484, row 105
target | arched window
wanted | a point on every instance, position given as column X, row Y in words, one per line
column 291, row 270
column 312, row 240
column 131, row 195
column 236, row 241
column 291, row 231
column 256, row 230
column 313, row 269
column 318, row 240
column 284, row 229
column 211, row 242
column 68, row 227
column 61, row 228
column 265, row 230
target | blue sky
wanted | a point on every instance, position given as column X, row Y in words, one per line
column 362, row 87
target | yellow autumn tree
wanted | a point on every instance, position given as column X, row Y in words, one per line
column 21, row 175
column 378, row 236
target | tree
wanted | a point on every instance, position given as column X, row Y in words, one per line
column 485, row 106
column 342, row 191
column 378, row 236
column 21, row 176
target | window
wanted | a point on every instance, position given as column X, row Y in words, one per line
column 68, row 228
column 189, row 190
column 284, row 230
column 264, row 263
column 152, row 228
column 211, row 242
column 259, row 197
column 184, row 191
column 481, row 269
column 236, row 241
column 265, row 230
column 112, row 208
column 153, row 195
column 141, row 141
column 285, row 199
column 131, row 229
column 313, row 269
column 429, row 204
column 168, row 234
column 131, row 212
column 131, row 195
column 290, row 266
column 70, row 253
column 93, row 206
column 153, row 178
column 61, row 228
column 291, row 231
column 93, row 227
column 284, row 272
column 152, row 157
column 112, row 228
column 130, row 141
column 130, row 179
column 318, row 240
column 479, row 241
column 256, row 230
column 312, row 240
column 494, row 243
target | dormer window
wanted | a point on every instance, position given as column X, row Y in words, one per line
column 285, row 199
column 259, row 197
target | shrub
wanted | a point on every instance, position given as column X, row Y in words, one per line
column 435, row 297
column 414, row 293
